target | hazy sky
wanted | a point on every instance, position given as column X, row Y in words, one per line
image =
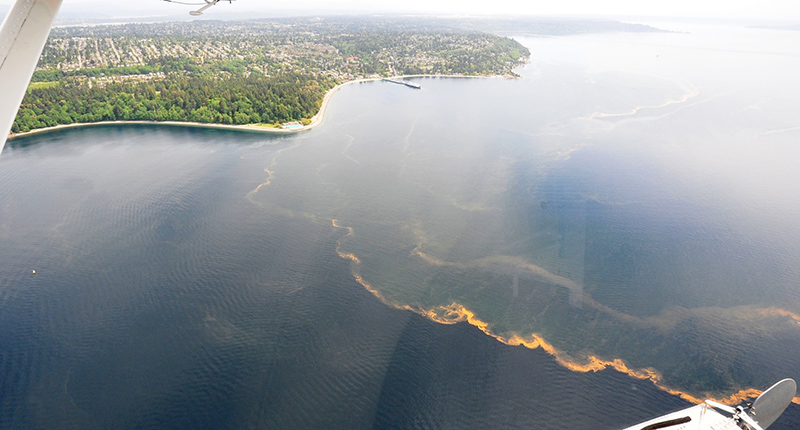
column 746, row 9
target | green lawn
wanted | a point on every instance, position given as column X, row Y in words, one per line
column 40, row 85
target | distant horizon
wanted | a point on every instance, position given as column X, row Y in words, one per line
column 93, row 11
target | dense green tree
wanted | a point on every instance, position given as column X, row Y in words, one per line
column 236, row 100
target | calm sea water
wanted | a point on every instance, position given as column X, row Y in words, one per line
column 633, row 197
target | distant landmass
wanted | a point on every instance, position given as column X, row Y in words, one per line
column 551, row 27
column 267, row 72
column 790, row 27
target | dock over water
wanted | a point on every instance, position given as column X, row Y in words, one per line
column 406, row 83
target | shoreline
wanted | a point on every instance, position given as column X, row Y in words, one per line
column 316, row 120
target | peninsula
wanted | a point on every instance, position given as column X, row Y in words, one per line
column 258, row 75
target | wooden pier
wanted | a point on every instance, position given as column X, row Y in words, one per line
column 406, row 83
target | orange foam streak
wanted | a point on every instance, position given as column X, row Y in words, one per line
column 354, row 271
column 428, row 259
column 268, row 182
column 456, row 313
column 773, row 312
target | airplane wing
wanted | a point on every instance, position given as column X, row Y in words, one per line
column 700, row 417
column 756, row 416
column 22, row 38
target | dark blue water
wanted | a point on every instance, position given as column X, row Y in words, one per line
column 171, row 301
column 197, row 279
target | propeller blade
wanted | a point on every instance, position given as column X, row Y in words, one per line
column 751, row 422
column 717, row 405
column 771, row 404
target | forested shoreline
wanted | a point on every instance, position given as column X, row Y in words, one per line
column 237, row 100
